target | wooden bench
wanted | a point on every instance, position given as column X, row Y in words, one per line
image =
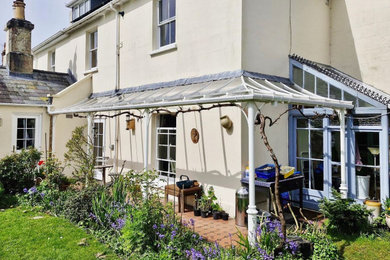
column 173, row 190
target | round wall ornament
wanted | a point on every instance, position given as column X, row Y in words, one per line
column 194, row 135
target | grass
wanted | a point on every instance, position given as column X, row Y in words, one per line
column 23, row 237
column 364, row 247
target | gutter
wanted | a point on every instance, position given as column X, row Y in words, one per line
column 63, row 34
column 23, row 105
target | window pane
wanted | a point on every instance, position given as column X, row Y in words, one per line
column 303, row 167
column 87, row 5
column 163, row 139
column 334, row 92
column 316, row 123
column 172, row 153
column 303, row 143
column 172, row 32
column 367, row 148
column 20, row 133
column 162, row 152
column 163, row 166
column 335, row 146
column 172, row 8
column 349, row 97
column 309, row 82
column 164, row 34
column 302, row 123
column 30, row 123
column 93, row 58
column 317, row 177
column 29, row 143
column 163, row 10
column 30, row 133
column 316, row 141
column 336, row 177
column 19, row 144
column 298, row 76
column 322, row 88
column 172, row 139
column 22, row 123
column 363, row 103
column 82, row 8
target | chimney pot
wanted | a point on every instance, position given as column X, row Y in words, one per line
column 19, row 7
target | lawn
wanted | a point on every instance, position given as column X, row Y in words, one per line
column 33, row 235
column 367, row 248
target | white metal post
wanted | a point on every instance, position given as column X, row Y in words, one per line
column 343, row 185
column 146, row 141
column 90, row 134
column 252, row 212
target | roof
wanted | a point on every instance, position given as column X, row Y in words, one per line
column 31, row 90
column 226, row 87
column 346, row 79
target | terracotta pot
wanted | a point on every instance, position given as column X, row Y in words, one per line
column 225, row 216
column 197, row 212
column 216, row 215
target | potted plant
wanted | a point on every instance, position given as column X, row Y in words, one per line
column 204, row 205
column 225, row 215
column 196, row 206
column 216, row 208
column 387, row 211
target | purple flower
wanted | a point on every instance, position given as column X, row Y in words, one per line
column 25, row 190
column 120, row 223
column 192, row 222
column 162, row 226
column 293, row 247
column 161, row 236
column 171, row 225
column 33, row 190
column 92, row 216
column 42, row 195
column 194, row 235
column 51, row 203
column 154, row 226
column 173, row 234
column 200, row 238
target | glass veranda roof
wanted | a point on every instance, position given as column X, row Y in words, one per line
column 243, row 88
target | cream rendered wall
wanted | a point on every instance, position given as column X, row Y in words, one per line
column 216, row 159
column 368, row 58
column 8, row 126
column 266, row 33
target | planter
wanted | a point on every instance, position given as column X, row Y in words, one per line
column 216, row 215
column 363, row 186
column 225, row 216
column 375, row 207
column 388, row 220
column 196, row 212
column 204, row 214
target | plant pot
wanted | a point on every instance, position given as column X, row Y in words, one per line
column 363, row 185
column 204, row 214
column 197, row 212
column 225, row 216
column 388, row 220
column 216, row 215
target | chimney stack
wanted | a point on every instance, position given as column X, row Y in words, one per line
column 18, row 53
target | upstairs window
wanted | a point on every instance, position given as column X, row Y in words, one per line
column 93, row 47
column 80, row 9
column 167, row 22
column 25, row 132
column 52, row 62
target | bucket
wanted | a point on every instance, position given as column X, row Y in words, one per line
column 363, row 187
column 242, row 201
column 375, row 208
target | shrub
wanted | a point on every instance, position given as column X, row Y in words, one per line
column 78, row 207
column 17, row 171
column 52, row 170
column 344, row 215
column 1, row 190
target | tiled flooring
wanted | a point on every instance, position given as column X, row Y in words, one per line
column 220, row 231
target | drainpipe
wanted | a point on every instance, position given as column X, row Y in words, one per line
column 117, row 82
column 252, row 212
column 146, row 141
column 343, row 185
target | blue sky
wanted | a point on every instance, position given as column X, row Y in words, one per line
column 48, row 16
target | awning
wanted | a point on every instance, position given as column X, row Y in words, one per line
column 228, row 87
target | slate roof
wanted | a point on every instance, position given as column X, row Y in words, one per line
column 345, row 79
column 31, row 90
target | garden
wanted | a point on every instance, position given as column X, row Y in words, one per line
column 45, row 215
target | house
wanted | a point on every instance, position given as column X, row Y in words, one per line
column 24, row 121
column 161, row 61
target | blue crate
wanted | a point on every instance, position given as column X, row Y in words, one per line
column 265, row 174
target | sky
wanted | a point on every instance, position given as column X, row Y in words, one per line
column 48, row 16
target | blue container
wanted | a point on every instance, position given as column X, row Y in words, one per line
column 265, row 172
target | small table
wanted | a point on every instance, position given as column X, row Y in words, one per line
column 103, row 168
column 289, row 184
column 173, row 190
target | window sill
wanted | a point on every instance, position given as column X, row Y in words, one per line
column 166, row 48
column 93, row 70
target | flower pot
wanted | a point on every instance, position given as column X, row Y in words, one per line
column 196, row 212
column 204, row 214
column 216, row 215
column 363, row 185
column 388, row 220
column 375, row 208
column 225, row 216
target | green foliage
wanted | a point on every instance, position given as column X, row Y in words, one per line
column 207, row 201
column 80, row 155
column 17, row 171
column 1, row 190
column 345, row 216
column 52, row 170
column 136, row 181
column 78, row 207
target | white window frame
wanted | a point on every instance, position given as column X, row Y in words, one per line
column 92, row 49
column 76, row 9
column 164, row 22
column 38, row 129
